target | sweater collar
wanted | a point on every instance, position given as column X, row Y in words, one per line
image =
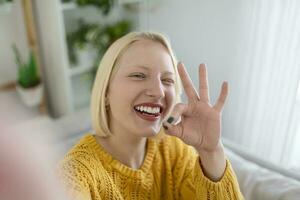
column 109, row 162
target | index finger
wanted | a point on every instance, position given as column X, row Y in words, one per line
column 187, row 83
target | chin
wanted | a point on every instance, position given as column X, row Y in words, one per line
column 143, row 130
column 152, row 133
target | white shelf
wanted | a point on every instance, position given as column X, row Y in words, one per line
column 77, row 70
column 121, row 2
column 69, row 6
column 73, row 5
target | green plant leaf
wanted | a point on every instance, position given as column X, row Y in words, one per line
column 27, row 72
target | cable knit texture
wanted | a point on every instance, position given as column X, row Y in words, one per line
column 171, row 170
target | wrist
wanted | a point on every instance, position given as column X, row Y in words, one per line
column 213, row 163
column 211, row 150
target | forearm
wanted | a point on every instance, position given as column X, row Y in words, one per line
column 213, row 163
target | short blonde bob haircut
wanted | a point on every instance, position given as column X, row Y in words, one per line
column 108, row 68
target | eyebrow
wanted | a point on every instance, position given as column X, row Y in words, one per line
column 147, row 68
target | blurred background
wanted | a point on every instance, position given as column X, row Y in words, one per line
column 50, row 51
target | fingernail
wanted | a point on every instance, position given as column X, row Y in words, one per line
column 170, row 120
column 165, row 127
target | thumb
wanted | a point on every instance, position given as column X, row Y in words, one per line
column 172, row 125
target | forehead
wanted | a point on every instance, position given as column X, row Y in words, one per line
column 146, row 53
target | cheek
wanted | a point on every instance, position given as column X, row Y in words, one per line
column 119, row 101
column 123, row 97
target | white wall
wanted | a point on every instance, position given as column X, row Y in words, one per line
column 12, row 30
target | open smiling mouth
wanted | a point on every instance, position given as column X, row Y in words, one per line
column 149, row 113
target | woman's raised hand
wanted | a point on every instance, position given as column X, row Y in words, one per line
column 199, row 122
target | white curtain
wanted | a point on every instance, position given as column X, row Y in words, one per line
column 264, row 118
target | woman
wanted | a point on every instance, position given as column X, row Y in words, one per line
column 130, row 156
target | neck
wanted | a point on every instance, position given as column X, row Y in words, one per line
column 126, row 148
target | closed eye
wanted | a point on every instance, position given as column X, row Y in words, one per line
column 169, row 81
column 138, row 75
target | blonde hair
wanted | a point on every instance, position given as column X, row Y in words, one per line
column 108, row 68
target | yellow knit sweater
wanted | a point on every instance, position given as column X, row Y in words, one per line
column 171, row 170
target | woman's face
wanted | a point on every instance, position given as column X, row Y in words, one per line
column 142, row 92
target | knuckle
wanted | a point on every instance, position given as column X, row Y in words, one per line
column 179, row 106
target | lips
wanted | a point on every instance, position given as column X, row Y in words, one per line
column 149, row 111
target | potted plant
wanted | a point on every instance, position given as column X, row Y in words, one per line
column 29, row 86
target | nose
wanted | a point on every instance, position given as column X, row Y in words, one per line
column 155, row 89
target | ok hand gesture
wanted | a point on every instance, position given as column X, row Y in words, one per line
column 199, row 122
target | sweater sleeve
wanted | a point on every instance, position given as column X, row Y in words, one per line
column 191, row 183
column 75, row 177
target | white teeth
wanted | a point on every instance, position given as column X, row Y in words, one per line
column 152, row 110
